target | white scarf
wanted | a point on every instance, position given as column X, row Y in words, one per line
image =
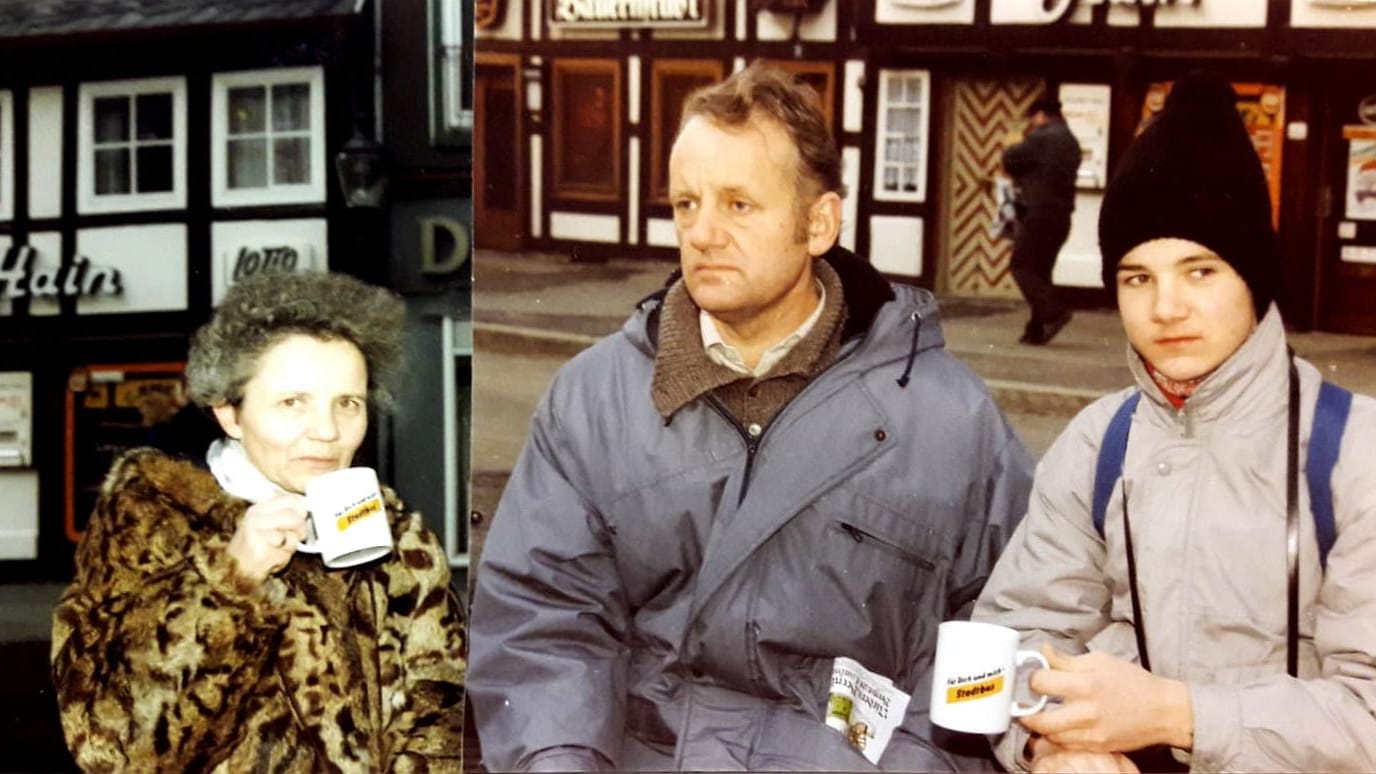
column 237, row 475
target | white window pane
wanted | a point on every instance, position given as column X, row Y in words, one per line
column 890, row 178
column 248, row 165
column 895, row 89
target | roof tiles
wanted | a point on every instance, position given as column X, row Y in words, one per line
column 25, row 18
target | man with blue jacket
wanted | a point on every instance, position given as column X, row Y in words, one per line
column 772, row 466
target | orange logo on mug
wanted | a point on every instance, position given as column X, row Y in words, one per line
column 976, row 690
column 359, row 512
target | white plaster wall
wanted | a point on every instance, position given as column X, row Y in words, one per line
column 509, row 29
column 19, row 517
column 1031, row 12
column 585, row 228
column 537, row 164
column 1078, row 262
column 633, row 201
column 48, row 244
column 815, row 26
column 45, row 152
column 226, row 238
column 896, row 244
column 1334, row 13
column 1213, row 13
column 151, row 262
column 850, row 175
column 853, row 96
column 660, row 232
column 924, row 11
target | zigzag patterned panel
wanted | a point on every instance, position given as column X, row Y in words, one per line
column 983, row 113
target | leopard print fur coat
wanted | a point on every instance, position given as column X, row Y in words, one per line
column 165, row 659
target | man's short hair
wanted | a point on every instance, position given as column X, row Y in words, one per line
column 760, row 90
column 1048, row 105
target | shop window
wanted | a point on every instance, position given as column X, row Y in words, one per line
column 6, row 155
column 900, row 147
column 267, row 137
column 451, row 72
column 672, row 81
column 587, row 129
column 132, row 145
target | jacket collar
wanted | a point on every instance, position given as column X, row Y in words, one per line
column 684, row 372
column 865, row 291
column 1250, row 384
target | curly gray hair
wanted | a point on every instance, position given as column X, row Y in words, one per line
column 258, row 312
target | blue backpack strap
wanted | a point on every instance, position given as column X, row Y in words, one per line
column 1326, row 436
column 1112, row 450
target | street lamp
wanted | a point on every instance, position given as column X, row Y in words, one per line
column 362, row 168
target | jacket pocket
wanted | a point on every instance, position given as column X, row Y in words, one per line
column 890, row 546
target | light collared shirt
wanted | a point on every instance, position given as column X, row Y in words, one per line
column 721, row 353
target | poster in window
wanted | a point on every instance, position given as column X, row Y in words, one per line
column 1361, row 172
column 1086, row 110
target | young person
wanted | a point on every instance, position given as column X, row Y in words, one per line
column 1167, row 618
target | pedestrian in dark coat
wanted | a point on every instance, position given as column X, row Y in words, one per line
column 1044, row 166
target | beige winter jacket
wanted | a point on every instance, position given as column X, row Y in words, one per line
column 1206, row 491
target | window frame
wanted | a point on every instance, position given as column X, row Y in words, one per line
column 451, row 72
column 312, row 192
column 561, row 71
column 882, row 104
column 90, row 202
column 712, row 69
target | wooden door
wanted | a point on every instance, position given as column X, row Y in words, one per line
column 497, row 146
column 1347, row 223
column 983, row 112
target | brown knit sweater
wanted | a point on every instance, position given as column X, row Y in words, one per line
column 684, row 372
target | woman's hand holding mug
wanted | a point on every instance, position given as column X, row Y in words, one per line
column 267, row 536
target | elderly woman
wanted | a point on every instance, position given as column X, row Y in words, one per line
column 195, row 636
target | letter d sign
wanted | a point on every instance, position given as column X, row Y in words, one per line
column 443, row 245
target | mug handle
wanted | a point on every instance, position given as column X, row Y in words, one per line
column 1022, row 710
column 311, row 544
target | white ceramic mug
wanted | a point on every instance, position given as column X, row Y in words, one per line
column 974, row 676
column 348, row 518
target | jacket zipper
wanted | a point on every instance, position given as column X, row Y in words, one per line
column 752, row 445
column 889, row 546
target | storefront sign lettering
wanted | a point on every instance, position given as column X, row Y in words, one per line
column 627, row 13
column 443, row 245
column 1061, row 10
column 19, row 278
column 269, row 260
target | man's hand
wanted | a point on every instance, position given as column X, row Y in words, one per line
column 1109, row 705
column 1047, row 757
column 267, row 536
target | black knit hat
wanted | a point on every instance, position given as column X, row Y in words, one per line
column 1194, row 174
